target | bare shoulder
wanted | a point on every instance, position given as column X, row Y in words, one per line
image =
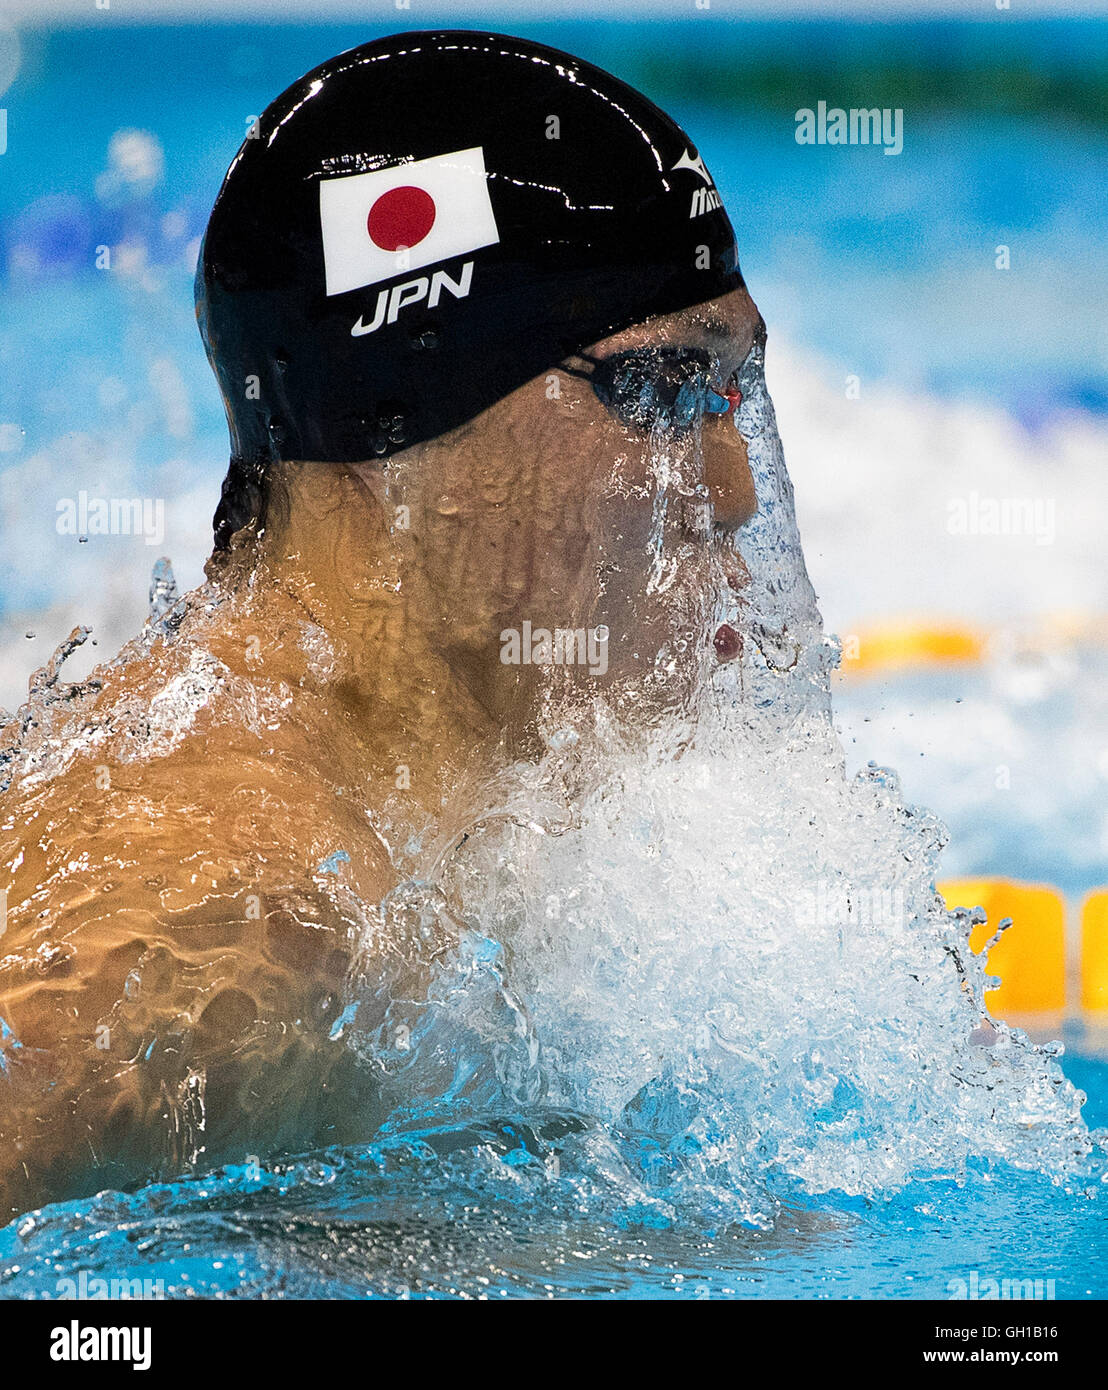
column 187, row 890
column 177, row 949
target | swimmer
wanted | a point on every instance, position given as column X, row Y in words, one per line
column 461, row 292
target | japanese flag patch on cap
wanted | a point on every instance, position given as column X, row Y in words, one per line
column 433, row 208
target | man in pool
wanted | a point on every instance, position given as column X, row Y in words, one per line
column 476, row 313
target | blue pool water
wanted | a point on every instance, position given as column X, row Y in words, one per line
column 444, row 1218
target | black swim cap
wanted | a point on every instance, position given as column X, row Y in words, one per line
column 544, row 205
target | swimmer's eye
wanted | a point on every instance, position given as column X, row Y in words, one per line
column 667, row 386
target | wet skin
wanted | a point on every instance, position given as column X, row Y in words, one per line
column 175, row 960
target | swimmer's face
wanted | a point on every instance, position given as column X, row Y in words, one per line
column 724, row 331
column 553, row 508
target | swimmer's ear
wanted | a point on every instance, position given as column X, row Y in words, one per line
column 254, row 501
column 241, row 501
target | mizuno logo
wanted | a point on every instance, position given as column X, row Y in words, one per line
column 390, row 302
column 695, row 163
column 704, row 200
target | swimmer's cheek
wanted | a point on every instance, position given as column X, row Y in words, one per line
column 727, row 475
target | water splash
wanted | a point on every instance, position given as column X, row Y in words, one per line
column 724, row 952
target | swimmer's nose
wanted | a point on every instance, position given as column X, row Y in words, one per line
column 727, row 472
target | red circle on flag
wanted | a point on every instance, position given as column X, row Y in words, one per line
column 401, row 217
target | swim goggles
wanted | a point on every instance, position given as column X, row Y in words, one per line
column 667, row 386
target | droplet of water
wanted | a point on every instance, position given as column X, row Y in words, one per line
column 727, row 642
column 163, row 588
